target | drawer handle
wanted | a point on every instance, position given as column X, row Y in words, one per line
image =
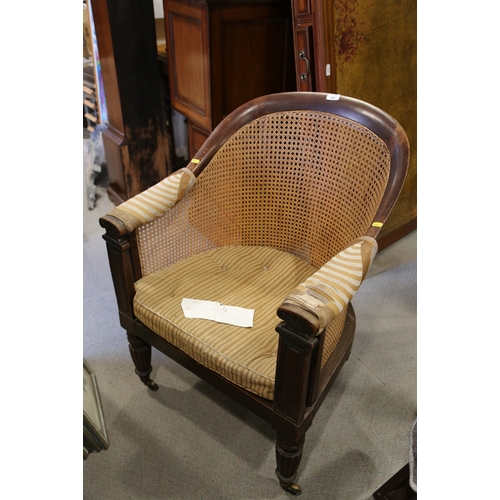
column 302, row 56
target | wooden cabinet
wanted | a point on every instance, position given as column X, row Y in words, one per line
column 223, row 53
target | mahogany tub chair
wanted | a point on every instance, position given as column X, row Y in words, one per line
column 278, row 212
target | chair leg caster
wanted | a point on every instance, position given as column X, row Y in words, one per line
column 152, row 385
column 292, row 488
column 148, row 382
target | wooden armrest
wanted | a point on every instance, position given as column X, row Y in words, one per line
column 124, row 271
column 299, row 320
column 113, row 226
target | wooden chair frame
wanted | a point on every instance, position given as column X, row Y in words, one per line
column 300, row 384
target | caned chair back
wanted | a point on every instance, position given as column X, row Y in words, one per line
column 305, row 181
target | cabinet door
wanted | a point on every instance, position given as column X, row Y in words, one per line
column 251, row 51
column 308, row 45
column 186, row 29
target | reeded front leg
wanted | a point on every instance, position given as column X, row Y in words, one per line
column 141, row 355
column 288, row 457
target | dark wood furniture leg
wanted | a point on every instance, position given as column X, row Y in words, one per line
column 141, row 355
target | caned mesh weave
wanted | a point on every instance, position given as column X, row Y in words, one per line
column 305, row 182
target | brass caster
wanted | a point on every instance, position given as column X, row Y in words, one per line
column 152, row 385
column 292, row 488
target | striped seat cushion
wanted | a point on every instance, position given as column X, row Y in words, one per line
column 251, row 277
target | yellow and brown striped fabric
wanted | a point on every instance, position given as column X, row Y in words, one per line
column 328, row 291
column 156, row 200
column 251, row 277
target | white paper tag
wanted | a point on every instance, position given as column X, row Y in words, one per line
column 333, row 97
column 215, row 311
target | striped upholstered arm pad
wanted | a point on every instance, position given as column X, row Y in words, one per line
column 156, row 200
column 328, row 291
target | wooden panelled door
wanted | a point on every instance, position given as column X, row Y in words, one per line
column 308, row 45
